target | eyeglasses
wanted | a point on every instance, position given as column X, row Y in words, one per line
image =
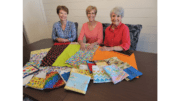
column 91, row 13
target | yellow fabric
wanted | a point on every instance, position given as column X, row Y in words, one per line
column 81, row 71
column 74, row 89
column 40, row 51
column 37, row 83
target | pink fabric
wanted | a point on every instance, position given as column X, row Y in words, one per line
column 95, row 35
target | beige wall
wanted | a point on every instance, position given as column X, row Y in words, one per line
column 136, row 12
column 34, row 20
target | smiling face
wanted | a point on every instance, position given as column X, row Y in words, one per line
column 115, row 19
column 62, row 15
column 91, row 15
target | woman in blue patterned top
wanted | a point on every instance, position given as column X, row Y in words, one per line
column 63, row 30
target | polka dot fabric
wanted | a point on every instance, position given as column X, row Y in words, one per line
column 53, row 53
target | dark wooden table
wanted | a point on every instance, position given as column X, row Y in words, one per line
column 142, row 89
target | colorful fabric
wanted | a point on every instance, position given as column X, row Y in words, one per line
column 38, row 55
column 101, row 55
column 78, row 83
column 53, row 53
column 80, row 71
column 37, row 83
column 84, row 67
column 70, row 50
column 33, row 63
column 96, row 35
column 68, row 33
column 132, row 73
column 117, row 62
column 65, row 74
column 116, row 74
column 53, row 80
column 27, row 79
column 100, row 76
column 29, row 70
column 90, row 64
column 40, row 51
column 120, row 36
column 101, row 63
column 81, row 56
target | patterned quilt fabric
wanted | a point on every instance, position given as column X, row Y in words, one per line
column 38, row 80
column 53, row 80
column 33, row 63
column 53, row 53
column 65, row 74
column 29, row 70
column 117, row 62
column 78, row 83
column 116, row 74
column 81, row 56
column 99, row 74
column 38, row 55
column 81, row 71
column 37, row 83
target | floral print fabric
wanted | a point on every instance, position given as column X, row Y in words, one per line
column 116, row 74
column 81, row 56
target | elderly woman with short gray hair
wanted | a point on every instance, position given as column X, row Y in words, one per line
column 117, row 36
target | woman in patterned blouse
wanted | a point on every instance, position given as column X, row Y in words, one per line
column 63, row 30
column 92, row 30
column 117, row 35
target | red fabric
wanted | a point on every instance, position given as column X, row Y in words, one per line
column 120, row 36
column 90, row 66
column 62, row 43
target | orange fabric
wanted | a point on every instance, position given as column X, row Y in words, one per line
column 101, row 55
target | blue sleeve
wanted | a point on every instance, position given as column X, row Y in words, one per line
column 73, row 33
column 54, row 33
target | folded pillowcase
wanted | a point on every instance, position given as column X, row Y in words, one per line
column 33, row 63
column 117, row 62
column 29, row 70
column 132, row 73
column 99, row 75
column 116, row 74
column 65, row 74
column 38, row 81
column 90, row 64
column 78, row 83
column 80, row 71
column 53, row 80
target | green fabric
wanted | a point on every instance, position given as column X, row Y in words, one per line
column 66, row 54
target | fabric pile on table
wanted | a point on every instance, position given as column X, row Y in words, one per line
column 64, row 64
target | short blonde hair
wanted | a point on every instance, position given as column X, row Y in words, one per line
column 89, row 8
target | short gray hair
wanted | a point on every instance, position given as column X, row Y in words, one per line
column 118, row 11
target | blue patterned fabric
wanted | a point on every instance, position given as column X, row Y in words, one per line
column 69, row 32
